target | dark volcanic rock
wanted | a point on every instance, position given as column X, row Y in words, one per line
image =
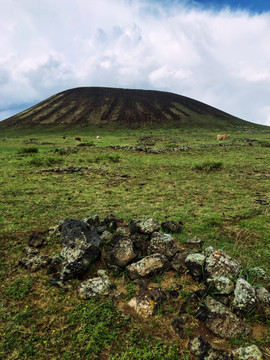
column 80, row 247
column 172, row 227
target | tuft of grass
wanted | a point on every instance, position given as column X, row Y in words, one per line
column 208, row 166
column 28, row 150
column 19, row 288
column 39, row 161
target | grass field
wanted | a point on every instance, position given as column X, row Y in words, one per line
column 219, row 190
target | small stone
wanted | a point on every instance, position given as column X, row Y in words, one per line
column 199, row 346
column 93, row 220
column 147, row 266
column 35, row 263
column 162, row 244
column 148, row 226
column 248, row 353
column 122, row 253
column 222, row 284
column 172, row 227
column 195, row 265
column 218, row 263
column 263, row 296
column 244, row 295
column 106, row 237
column 35, row 240
column 142, row 306
column 99, row 286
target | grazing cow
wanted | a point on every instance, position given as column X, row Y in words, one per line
column 63, row 137
column 98, row 137
column 77, row 138
column 223, row 137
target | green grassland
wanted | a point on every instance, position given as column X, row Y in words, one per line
column 219, row 190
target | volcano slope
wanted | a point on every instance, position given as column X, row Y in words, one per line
column 112, row 107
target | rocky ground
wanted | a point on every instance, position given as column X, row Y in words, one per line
column 207, row 290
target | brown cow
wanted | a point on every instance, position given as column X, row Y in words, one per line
column 223, row 137
column 77, row 138
column 63, row 137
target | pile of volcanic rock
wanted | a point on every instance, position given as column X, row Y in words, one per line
column 142, row 250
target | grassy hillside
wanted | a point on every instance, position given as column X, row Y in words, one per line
column 115, row 108
column 218, row 190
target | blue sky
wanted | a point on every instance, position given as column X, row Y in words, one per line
column 216, row 52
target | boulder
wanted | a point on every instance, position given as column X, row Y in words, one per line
column 244, row 295
column 221, row 321
column 222, row 284
column 122, row 253
column 247, row 353
column 98, row 286
column 195, row 265
column 218, row 263
column 147, row 266
column 162, row 244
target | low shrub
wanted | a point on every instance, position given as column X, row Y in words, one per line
column 28, row 150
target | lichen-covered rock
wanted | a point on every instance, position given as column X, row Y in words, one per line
column 93, row 220
column 122, row 253
column 218, row 263
column 35, row 263
column 199, row 347
column 244, row 295
column 258, row 273
column 222, row 284
column 194, row 242
column 195, row 265
column 148, row 226
column 147, row 266
column 55, row 265
column 263, row 296
column 122, row 232
column 178, row 261
column 98, row 286
column 221, row 321
column 172, row 227
column 106, row 237
column 144, row 307
column 247, row 353
column 162, row 244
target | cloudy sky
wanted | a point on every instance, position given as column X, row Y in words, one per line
column 215, row 51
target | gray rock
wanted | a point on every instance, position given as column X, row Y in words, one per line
column 221, row 321
column 195, row 265
column 172, row 227
column 144, row 307
column 244, row 295
column 178, row 261
column 162, row 244
column 122, row 253
column 106, row 237
column 199, row 346
column 122, row 232
column 147, row 266
column 258, row 273
column 218, row 263
column 222, row 284
column 263, row 296
column 193, row 243
column 148, row 226
column 31, row 251
column 248, row 353
column 98, row 286
column 35, row 263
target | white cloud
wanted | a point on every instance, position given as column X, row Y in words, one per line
column 221, row 58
